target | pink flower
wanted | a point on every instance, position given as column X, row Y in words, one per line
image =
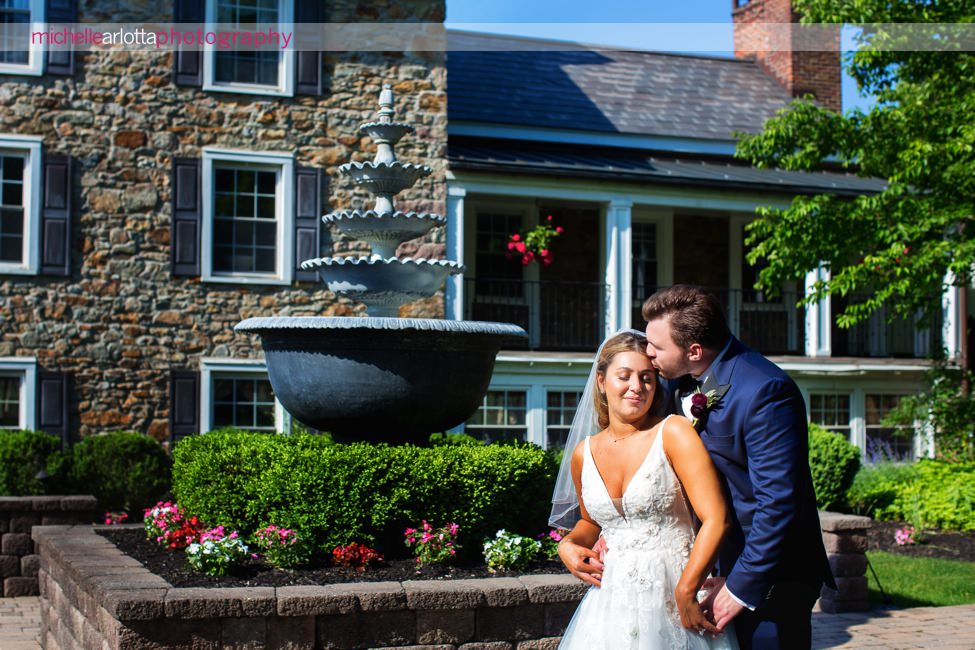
column 516, row 237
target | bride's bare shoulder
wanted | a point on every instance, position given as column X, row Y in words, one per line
column 678, row 432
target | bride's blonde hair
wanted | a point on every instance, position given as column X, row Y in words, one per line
column 622, row 342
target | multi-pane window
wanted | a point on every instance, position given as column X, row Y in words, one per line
column 9, row 402
column 831, row 411
column 242, row 402
column 501, row 417
column 561, row 406
column 644, row 261
column 257, row 67
column 886, row 442
column 15, row 31
column 244, row 220
column 12, row 220
column 492, row 258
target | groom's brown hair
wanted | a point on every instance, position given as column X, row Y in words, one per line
column 696, row 316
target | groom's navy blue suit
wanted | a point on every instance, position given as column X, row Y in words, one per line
column 757, row 436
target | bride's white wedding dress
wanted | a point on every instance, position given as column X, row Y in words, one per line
column 649, row 533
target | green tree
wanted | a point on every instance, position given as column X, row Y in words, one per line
column 896, row 246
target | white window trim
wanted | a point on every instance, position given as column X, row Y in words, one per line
column 26, row 370
column 284, row 208
column 30, row 147
column 35, row 51
column 286, row 60
column 222, row 368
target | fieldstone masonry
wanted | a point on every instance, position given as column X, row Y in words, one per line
column 119, row 323
column 94, row 597
column 19, row 564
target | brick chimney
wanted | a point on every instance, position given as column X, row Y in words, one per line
column 805, row 64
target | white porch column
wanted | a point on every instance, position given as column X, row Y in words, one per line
column 818, row 318
column 952, row 327
column 619, row 253
column 454, row 285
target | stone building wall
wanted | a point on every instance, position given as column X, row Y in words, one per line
column 120, row 321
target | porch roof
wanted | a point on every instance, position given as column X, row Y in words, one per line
column 560, row 85
column 521, row 157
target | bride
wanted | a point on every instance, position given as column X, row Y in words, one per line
column 631, row 483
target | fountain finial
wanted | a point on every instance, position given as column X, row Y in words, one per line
column 386, row 111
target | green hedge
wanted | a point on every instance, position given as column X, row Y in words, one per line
column 125, row 471
column 928, row 494
column 22, row 455
column 336, row 494
column 834, row 462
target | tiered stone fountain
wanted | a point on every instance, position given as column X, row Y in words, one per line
column 380, row 377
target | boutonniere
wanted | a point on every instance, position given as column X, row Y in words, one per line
column 703, row 401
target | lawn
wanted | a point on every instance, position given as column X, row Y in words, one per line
column 921, row 581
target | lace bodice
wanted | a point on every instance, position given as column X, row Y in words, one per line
column 655, row 517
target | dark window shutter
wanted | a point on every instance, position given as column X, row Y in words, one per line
column 308, row 212
column 188, row 59
column 60, row 61
column 56, row 216
column 52, row 404
column 185, row 235
column 184, row 404
column 308, row 64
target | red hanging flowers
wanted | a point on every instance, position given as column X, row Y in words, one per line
column 534, row 245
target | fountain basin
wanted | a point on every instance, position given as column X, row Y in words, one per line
column 383, row 284
column 384, row 231
column 385, row 177
column 380, row 379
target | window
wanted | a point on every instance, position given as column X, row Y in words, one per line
column 244, row 403
column 883, row 442
column 20, row 166
column 644, row 242
column 560, row 408
column 832, row 412
column 18, row 54
column 497, row 274
column 237, row 393
column 247, row 220
column 18, row 377
column 264, row 70
column 501, row 417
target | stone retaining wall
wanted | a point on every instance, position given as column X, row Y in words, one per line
column 18, row 515
column 845, row 537
column 94, row 597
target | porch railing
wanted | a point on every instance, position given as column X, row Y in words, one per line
column 558, row 316
column 569, row 316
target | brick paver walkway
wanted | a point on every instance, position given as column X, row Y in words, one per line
column 945, row 628
column 20, row 623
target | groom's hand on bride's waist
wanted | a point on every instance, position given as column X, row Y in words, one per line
column 582, row 562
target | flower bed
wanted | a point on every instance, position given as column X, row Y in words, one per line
column 94, row 594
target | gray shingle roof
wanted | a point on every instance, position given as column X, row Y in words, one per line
column 507, row 80
column 477, row 154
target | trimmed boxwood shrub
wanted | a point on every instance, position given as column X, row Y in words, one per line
column 876, row 486
column 834, row 462
column 22, row 455
column 336, row 494
column 123, row 470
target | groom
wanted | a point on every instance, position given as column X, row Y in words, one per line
column 752, row 419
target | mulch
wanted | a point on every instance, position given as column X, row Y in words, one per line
column 945, row 545
column 172, row 566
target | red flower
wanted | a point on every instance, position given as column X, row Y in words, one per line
column 548, row 218
column 516, row 237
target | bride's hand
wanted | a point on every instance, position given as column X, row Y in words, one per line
column 691, row 615
column 581, row 562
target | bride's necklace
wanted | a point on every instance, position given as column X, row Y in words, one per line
column 626, row 437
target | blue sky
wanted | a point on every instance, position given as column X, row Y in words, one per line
column 621, row 23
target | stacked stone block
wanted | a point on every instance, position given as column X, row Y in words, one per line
column 845, row 537
column 19, row 564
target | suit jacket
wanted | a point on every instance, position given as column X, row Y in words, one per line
column 758, row 438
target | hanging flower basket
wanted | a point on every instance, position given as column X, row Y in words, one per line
column 535, row 244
